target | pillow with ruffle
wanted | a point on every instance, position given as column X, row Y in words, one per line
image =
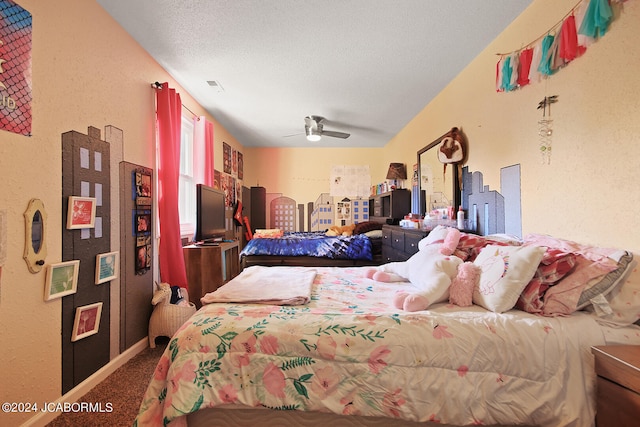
column 600, row 287
column 623, row 300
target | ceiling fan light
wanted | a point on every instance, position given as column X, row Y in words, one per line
column 312, row 135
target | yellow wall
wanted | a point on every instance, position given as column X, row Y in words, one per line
column 303, row 173
column 88, row 72
column 589, row 193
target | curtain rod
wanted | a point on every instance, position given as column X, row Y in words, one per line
column 158, row 86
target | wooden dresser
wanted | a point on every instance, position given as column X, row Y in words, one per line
column 618, row 385
column 398, row 243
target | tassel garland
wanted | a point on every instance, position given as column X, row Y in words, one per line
column 566, row 41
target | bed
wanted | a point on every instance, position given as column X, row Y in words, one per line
column 315, row 249
column 345, row 355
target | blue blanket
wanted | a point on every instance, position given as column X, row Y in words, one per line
column 312, row 243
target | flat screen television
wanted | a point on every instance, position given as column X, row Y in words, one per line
column 210, row 215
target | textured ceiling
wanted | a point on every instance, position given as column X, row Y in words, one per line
column 367, row 66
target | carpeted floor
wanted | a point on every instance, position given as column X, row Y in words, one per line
column 123, row 389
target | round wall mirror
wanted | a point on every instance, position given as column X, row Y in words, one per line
column 35, row 242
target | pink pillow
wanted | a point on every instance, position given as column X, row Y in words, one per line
column 591, row 262
column 554, row 266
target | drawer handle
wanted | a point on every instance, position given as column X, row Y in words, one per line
column 397, row 240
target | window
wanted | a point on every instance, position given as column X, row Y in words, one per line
column 186, row 183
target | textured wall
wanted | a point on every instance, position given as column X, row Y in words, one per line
column 81, row 77
column 588, row 193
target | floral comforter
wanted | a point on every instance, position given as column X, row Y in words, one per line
column 350, row 352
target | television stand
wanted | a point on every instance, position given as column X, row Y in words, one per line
column 209, row 267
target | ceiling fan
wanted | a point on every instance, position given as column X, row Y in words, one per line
column 313, row 128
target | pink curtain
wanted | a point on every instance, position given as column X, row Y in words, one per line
column 203, row 151
column 169, row 117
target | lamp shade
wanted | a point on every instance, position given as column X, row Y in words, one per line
column 397, row 171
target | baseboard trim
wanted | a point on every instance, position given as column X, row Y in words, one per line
column 73, row 395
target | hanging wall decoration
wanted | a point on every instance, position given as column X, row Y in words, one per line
column 226, row 158
column 545, row 127
column 81, row 212
column 86, row 321
column 15, row 68
column 587, row 21
column 141, row 218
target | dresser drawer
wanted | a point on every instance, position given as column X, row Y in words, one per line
column 386, row 236
column 617, row 406
column 397, row 240
column 398, row 244
column 392, row 255
column 618, row 385
column 411, row 241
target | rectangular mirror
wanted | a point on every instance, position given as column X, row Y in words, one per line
column 439, row 188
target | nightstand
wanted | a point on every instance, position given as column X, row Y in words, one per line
column 618, row 385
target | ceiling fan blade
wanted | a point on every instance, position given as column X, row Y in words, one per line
column 312, row 122
column 335, row 134
column 293, row 134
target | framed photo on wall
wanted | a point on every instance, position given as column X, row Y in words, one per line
column 240, row 166
column 61, row 279
column 81, row 213
column 142, row 187
column 107, row 267
column 143, row 254
column 226, row 158
column 141, row 222
column 87, row 321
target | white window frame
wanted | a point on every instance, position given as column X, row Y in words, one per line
column 186, row 181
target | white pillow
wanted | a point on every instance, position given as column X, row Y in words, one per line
column 506, row 271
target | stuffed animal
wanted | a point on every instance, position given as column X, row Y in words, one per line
column 430, row 271
column 462, row 286
column 167, row 294
column 162, row 293
column 345, row 230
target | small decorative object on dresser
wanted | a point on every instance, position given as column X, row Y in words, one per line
column 618, row 385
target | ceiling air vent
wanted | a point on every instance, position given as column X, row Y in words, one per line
column 214, row 84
